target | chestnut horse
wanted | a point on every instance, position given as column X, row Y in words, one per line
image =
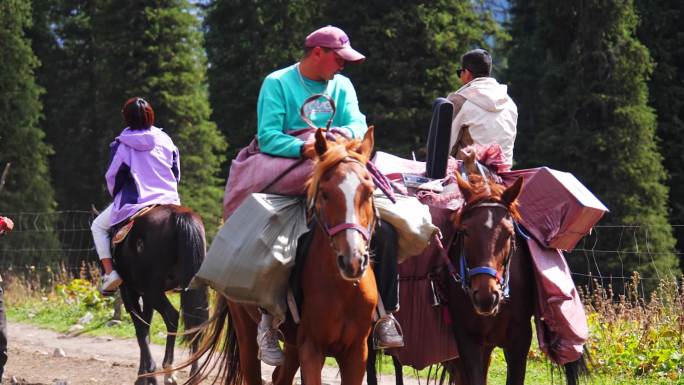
column 339, row 290
column 494, row 303
column 163, row 251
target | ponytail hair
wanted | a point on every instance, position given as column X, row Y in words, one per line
column 138, row 113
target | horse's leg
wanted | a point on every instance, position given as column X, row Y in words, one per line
column 516, row 354
column 141, row 317
column 486, row 360
column 170, row 316
column 311, row 360
column 246, row 332
column 471, row 357
column 371, row 373
column 353, row 364
column 284, row 375
column 398, row 371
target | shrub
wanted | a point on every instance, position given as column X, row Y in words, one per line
column 632, row 336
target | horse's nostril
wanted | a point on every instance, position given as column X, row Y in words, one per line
column 495, row 298
column 340, row 261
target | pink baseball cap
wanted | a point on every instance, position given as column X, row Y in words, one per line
column 335, row 39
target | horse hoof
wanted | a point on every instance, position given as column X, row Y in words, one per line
column 170, row 379
column 146, row 381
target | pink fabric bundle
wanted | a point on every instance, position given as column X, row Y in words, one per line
column 562, row 327
column 555, row 207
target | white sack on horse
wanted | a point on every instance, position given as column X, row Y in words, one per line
column 411, row 219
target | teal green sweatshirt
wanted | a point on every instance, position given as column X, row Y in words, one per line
column 282, row 94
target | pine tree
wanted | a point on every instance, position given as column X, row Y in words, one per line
column 662, row 31
column 62, row 39
column 591, row 119
column 27, row 184
column 153, row 49
column 523, row 74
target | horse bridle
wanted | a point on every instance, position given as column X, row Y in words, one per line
column 467, row 273
column 366, row 233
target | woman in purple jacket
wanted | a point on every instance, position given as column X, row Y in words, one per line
column 144, row 170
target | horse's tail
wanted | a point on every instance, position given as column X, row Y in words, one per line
column 191, row 245
column 195, row 310
column 577, row 369
column 213, row 351
column 191, row 251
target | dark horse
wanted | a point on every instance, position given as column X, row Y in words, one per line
column 163, row 251
column 339, row 290
column 494, row 303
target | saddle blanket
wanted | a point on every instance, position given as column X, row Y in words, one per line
column 253, row 171
column 121, row 231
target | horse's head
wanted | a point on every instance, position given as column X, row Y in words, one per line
column 486, row 239
column 340, row 198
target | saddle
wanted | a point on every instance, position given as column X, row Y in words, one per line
column 121, row 230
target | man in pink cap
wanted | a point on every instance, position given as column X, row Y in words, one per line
column 282, row 94
column 326, row 51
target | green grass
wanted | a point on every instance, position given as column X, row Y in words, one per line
column 61, row 309
column 632, row 341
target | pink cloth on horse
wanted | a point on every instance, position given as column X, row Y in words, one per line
column 555, row 207
column 251, row 171
column 562, row 327
column 428, row 338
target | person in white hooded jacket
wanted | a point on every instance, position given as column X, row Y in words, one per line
column 483, row 112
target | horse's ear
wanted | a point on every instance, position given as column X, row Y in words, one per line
column 321, row 144
column 464, row 186
column 511, row 194
column 366, row 146
column 467, row 155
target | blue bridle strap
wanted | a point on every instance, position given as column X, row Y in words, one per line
column 503, row 280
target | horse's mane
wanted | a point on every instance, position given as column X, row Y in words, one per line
column 487, row 190
column 336, row 153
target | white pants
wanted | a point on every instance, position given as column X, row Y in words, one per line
column 100, row 229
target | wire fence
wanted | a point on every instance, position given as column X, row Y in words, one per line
column 44, row 241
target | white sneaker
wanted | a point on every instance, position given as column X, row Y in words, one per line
column 110, row 281
column 269, row 348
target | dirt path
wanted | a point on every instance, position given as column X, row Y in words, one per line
column 92, row 360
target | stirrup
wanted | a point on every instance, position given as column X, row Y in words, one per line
column 385, row 319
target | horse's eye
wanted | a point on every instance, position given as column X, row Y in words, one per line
column 324, row 196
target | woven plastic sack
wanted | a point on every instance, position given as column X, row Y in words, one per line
column 251, row 257
column 411, row 219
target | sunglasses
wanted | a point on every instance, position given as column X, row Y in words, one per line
column 460, row 71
